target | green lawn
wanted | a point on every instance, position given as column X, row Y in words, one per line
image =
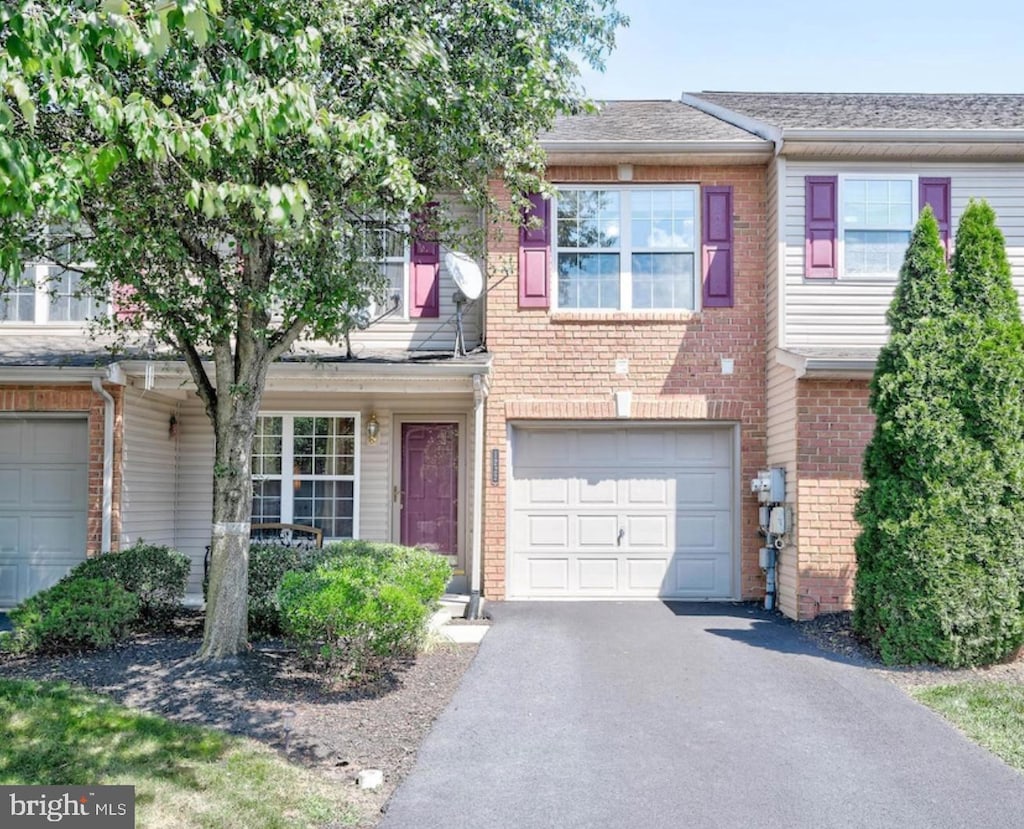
column 184, row 776
column 990, row 713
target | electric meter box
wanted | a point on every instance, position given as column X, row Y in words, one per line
column 770, row 485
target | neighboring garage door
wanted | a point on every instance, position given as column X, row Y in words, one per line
column 44, row 491
column 622, row 512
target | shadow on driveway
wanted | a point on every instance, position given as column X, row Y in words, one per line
column 766, row 629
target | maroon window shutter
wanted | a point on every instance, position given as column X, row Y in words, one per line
column 935, row 192
column 822, row 227
column 425, row 267
column 535, row 255
column 717, row 247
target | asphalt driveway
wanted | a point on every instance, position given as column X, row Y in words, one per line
column 688, row 715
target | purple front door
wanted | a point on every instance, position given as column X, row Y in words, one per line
column 430, row 486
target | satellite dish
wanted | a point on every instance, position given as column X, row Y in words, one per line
column 465, row 272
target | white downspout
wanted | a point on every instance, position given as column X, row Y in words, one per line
column 479, row 395
column 108, row 462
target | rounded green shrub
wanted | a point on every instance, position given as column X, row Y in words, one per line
column 363, row 607
column 156, row 575
column 267, row 565
column 73, row 615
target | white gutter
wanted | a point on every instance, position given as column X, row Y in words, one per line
column 312, row 370
column 48, row 374
column 108, row 462
column 915, row 136
column 655, row 147
column 479, row 396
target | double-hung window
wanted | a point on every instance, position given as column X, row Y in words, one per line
column 48, row 293
column 629, row 248
column 384, row 244
column 304, row 472
column 877, row 215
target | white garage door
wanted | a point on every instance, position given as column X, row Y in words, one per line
column 626, row 512
column 44, row 489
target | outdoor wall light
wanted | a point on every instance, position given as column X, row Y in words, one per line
column 372, row 429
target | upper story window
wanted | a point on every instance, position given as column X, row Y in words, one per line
column 626, row 248
column 385, row 244
column 877, row 216
column 304, row 472
column 50, row 294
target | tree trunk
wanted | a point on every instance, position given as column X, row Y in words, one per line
column 227, row 611
column 233, row 405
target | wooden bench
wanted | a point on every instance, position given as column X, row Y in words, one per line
column 299, row 536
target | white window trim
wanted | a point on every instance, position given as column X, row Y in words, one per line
column 43, row 287
column 288, row 463
column 401, row 313
column 625, row 249
column 841, row 228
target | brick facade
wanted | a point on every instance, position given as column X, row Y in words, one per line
column 30, row 400
column 561, row 365
column 834, row 426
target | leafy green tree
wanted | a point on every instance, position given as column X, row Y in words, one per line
column 214, row 161
column 940, row 552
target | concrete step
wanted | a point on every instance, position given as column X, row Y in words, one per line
column 455, row 604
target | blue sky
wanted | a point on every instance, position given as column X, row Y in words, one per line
column 827, row 46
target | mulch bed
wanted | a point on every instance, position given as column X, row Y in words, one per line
column 336, row 729
column 833, row 632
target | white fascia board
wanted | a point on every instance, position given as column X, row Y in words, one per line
column 59, row 375
column 172, row 375
column 904, row 136
column 656, row 147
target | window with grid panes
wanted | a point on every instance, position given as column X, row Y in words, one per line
column 304, row 472
column 629, row 248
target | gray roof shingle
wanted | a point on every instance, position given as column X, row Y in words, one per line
column 637, row 122
column 870, row 111
column 54, row 351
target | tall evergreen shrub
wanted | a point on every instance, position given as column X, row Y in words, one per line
column 939, row 555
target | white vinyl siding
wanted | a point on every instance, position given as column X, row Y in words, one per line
column 194, row 502
column 149, row 465
column 193, row 499
column 846, row 313
column 781, row 410
column 399, row 332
